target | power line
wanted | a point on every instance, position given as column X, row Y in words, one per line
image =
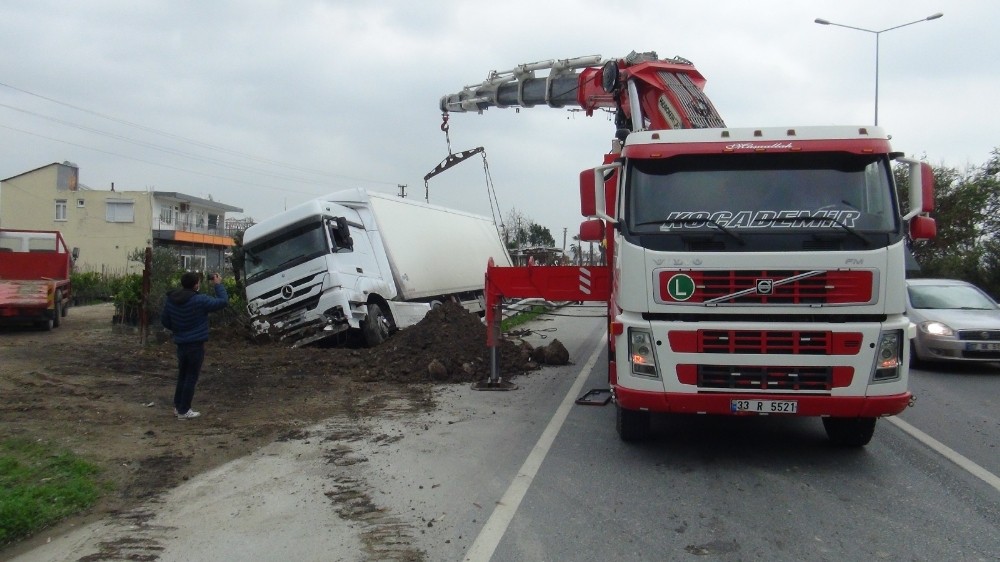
column 240, row 181
column 166, row 149
column 194, row 142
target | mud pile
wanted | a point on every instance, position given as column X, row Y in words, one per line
column 448, row 345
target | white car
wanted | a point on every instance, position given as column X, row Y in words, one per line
column 956, row 321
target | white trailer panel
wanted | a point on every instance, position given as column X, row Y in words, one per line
column 435, row 250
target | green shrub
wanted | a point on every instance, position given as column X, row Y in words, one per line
column 127, row 296
column 87, row 286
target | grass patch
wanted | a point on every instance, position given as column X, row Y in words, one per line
column 516, row 320
column 40, row 485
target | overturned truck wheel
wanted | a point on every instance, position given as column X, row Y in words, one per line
column 377, row 325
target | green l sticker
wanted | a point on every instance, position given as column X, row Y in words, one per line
column 680, row 287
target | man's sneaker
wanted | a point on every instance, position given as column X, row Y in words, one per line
column 186, row 416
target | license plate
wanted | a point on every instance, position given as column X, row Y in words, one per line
column 765, row 406
column 975, row 346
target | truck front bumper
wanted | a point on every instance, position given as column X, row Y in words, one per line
column 722, row 403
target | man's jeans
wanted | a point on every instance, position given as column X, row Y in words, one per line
column 190, row 356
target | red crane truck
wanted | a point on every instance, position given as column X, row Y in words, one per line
column 35, row 285
column 751, row 271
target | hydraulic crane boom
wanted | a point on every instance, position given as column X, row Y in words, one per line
column 645, row 93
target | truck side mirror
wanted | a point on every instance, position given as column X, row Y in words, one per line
column 75, row 253
column 922, row 228
column 598, row 191
column 927, row 187
column 592, row 230
column 344, row 239
column 588, row 203
column 921, row 192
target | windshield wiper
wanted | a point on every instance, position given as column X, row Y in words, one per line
column 731, row 233
column 864, row 239
column 850, row 230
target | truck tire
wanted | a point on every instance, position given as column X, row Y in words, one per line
column 59, row 312
column 376, row 326
column 849, row 432
column 632, row 425
column 46, row 324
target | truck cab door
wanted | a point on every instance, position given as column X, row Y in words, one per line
column 353, row 255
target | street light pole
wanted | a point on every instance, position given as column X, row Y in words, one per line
column 822, row 21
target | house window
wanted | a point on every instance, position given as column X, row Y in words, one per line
column 166, row 215
column 193, row 263
column 60, row 209
column 213, row 221
column 120, row 211
column 80, row 203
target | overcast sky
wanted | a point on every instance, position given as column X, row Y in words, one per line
column 263, row 105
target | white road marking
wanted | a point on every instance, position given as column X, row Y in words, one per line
column 486, row 543
column 955, row 457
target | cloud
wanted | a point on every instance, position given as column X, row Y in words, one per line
column 265, row 104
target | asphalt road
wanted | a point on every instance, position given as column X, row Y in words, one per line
column 771, row 488
column 530, row 475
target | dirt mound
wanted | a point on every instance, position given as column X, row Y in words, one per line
column 554, row 353
column 447, row 346
column 449, row 337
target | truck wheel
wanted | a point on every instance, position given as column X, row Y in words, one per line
column 377, row 326
column 849, row 432
column 59, row 312
column 45, row 325
column 632, row 425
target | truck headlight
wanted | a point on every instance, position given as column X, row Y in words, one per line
column 887, row 356
column 641, row 353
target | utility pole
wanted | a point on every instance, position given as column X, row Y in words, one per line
column 564, row 242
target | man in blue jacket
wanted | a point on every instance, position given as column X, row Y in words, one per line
column 185, row 314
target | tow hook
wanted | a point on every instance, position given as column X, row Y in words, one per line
column 913, row 401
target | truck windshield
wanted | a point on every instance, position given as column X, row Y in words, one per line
column 759, row 192
column 285, row 249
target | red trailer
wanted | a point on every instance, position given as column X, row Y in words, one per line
column 35, row 286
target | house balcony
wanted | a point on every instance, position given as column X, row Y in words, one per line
column 190, row 232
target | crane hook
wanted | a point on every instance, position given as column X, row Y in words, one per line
column 444, row 128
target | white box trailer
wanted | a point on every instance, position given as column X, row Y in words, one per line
column 364, row 261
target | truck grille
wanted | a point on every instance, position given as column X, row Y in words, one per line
column 766, row 377
column 293, row 311
column 766, row 287
column 299, row 287
column 789, row 342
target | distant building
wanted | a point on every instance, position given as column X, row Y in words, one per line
column 109, row 225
